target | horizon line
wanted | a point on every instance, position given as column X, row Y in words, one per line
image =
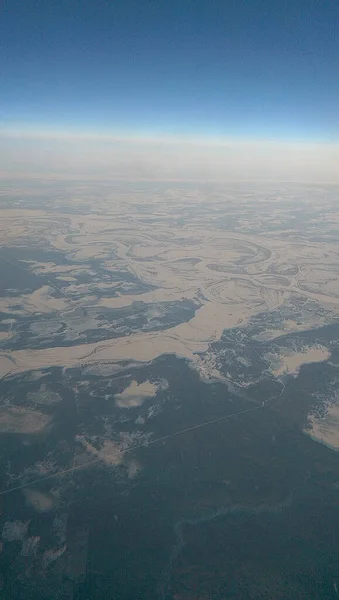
column 157, row 138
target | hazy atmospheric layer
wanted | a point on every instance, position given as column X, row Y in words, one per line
column 37, row 154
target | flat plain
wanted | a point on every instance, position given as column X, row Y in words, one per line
column 169, row 362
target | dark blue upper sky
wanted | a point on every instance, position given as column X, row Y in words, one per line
column 248, row 68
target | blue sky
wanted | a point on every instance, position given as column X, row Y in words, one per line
column 216, row 68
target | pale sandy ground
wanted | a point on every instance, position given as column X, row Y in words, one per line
column 40, row 301
column 66, row 278
column 4, row 335
column 21, row 420
column 325, row 429
column 135, row 394
column 232, row 277
column 112, row 454
column 291, row 362
column 40, row 501
column 290, row 326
